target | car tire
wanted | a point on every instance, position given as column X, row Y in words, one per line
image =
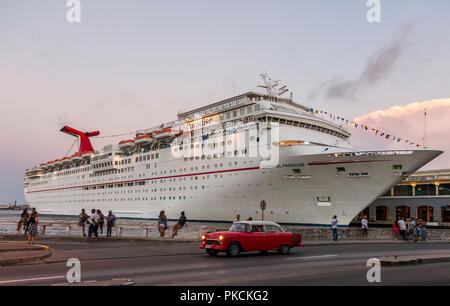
column 212, row 252
column 233, row 249
column 284, row 249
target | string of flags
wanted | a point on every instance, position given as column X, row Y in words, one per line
column 377, row 132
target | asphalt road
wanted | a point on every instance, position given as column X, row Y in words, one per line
column 182, row 263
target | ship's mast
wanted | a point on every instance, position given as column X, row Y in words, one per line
column 271, row 87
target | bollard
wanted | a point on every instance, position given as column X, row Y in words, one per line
column 43, row 227
column 145, row 232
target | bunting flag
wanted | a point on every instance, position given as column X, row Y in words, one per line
column 367, row 128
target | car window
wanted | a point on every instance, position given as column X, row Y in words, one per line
column 258, row 229
column 273, row 229
column 239, row 227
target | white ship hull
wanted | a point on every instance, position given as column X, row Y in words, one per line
column 220, row 194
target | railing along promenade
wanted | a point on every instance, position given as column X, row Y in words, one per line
column 75, row 228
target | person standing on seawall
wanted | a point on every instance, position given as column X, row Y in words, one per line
column 334, row 226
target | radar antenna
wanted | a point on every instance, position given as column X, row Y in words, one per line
column 271, row 87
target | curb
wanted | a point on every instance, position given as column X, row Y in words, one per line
column 108, row 283
column 14, row 261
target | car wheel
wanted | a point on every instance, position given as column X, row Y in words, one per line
column 284, row 249
column 233, row 249
column 212, row 252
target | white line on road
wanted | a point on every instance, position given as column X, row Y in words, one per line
column 308, row 257
column 30, row 279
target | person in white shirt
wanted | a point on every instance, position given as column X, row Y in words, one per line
column 402, row 228
column 93, row 224
column 334, row 226
column 365, row 226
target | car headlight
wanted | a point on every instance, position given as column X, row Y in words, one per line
column 203, row 237
column 221, row 237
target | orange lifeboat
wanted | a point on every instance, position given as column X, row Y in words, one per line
column 86, row 155
column 143, row 140
column 58, row 162
column 126, row 144
column 50, row 164
column 66, row 160
column 167, row 133
column 43, row 166
column 75, row 157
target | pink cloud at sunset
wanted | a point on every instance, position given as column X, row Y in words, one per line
column 409, row 122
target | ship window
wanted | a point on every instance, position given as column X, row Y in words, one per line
column 323, row 201
column 257, row 107
column 234, row 114
column 242, row 111
column 296, row 171
column 397, row 167
column 340, row 169
column 249, row 110
column 228, row 115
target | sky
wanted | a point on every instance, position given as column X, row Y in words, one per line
column 131, row 64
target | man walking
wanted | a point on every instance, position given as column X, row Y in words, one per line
column 93, row 225
column 402, row 228
column 334, row 226
column 365, row 227
column 110, row 221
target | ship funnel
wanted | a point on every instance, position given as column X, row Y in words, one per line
column 85, row 143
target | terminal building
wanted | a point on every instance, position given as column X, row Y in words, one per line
column 424, row 195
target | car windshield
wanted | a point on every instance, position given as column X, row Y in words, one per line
column 239, row 227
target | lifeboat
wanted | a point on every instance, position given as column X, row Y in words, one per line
column 58, row 162
column 126, row 144
column 66, row 160
column 167, row 133
column 76, row 158
column 86, row 155
column 50, row 164
column 143, row 140
column 43, row 166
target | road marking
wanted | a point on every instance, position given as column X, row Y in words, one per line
column 308, row 257
column 30, row 279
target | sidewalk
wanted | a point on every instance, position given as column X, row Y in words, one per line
column 15, row 252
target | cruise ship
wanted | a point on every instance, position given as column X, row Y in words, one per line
column 225, row 159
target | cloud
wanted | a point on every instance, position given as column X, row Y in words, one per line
column 378, row 66
column 407, row 122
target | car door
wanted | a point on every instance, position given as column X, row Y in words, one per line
column 257, row 238
column 273, row 237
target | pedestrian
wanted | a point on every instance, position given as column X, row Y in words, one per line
column 412, row 230
column 23, row 221
column 110, row 222
column 396, row 229
column 408, row 229
column 162, row 223
column 402, row 228
column 238, row 218
column 93, row 225
column 32, row 224
column 250, row 219
column 365, row 227
column 334, row 226
column 101, row 221
column 82, row 218
column 423, row 230
column 180, row 224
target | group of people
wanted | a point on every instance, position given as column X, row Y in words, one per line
column 411, row 229
column 96, row 221
column 163, row 226
column 238, row 218
column 29, row 223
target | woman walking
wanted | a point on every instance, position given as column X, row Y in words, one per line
column 101, row 220
column 32, row 223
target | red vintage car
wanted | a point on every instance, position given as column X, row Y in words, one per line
column 248, row 236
